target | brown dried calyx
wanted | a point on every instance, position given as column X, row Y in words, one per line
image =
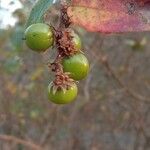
column 63, row 35
column 64, row 42
column 62, row 82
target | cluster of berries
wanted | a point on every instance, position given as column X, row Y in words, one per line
column 70, row 64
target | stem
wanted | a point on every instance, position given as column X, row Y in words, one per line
column 20, row 141
column 63, row 45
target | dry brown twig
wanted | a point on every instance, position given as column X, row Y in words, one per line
column 16, row 140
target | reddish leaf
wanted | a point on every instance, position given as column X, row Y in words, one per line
column 111, row 15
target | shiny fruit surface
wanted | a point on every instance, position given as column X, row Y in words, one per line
column 77, row 65
column 62, row 96
column 39, row 37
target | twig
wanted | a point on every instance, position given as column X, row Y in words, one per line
column 16, row 140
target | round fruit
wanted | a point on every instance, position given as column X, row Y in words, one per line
column 76, row 41
column 77, row 65
column 39, row 37
column 62, row 97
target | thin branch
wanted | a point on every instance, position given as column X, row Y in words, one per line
column 16, row 140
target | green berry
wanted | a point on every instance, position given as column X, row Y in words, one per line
column 77, row 65
column 62, row 96
column 76, row 41
column 39, row 37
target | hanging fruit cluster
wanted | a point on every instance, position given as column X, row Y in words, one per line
column 70, row 64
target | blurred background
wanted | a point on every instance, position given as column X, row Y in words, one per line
column 112, row 110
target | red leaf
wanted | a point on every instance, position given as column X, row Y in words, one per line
column 111, row 15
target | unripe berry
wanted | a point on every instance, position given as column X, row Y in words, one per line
column 39, row 37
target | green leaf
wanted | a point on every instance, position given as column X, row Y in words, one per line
column 38, row 11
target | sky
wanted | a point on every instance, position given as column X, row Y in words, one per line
column 6, row 9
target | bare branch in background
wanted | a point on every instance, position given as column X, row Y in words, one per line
column 16, row 140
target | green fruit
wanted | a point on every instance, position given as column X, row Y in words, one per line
column 77, row 65
column 62, row 97
column 76, row 41
column 39, row 37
